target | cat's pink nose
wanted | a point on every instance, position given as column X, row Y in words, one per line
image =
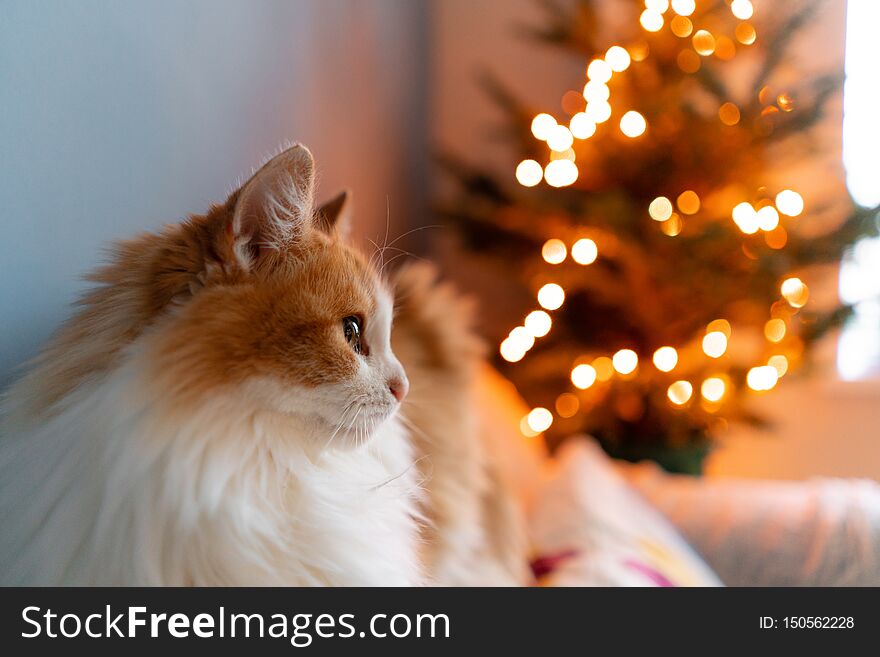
column 398, row 386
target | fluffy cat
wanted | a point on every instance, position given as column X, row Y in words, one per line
column 222, row 410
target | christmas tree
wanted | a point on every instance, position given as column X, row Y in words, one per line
column 666, row 261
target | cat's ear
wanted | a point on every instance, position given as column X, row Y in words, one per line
column 335, row 215
column 275, row 207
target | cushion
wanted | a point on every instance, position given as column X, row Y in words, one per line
column 590, row 528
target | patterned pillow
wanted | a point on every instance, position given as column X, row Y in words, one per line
column 590, row 528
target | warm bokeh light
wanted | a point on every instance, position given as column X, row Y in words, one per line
column 719, row 325
column 746, row 218
column 714, row 344
column 604, row 368
column 525, row 429
column 538, row 323
column 742, row 9
column 633, row 124
column 789, row 202
column 680, row 392
column 774, row 329
column 510, row 351
column 539, row 419
column 581, row 126
column 625, row 361
column 762, row 378
column 618, row 58
column 713, row 389
column 542, row 124
column 596, row 92
column 598, row 112
column 672, row 226
column 560, row 138
column 745, row 33
column 688, row 61
column 583, row 376
column 554, row 251
column 785, row 102
column 560, row 173
column 660, row 209
column 529, row 173
column 567, row 154
column 521, row 338
column 725, row 48
column 704, row 42
column 599, row 71
column 567, row 405
column 729, row 114
column 684, row 7
column 551, row 296
column 795, row 291
column 776, row 238
column 660, row 6
column 665, row 359
column 651, row 20
column 681, row 26
column 688, row 202
column 779, row 363
column 584, row 251
column 768, row 218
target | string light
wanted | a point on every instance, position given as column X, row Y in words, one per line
column 774, row 329
column 713, row 389
column 651, row 20
column 745, row 34
column 776, row 238
column 511, row 352
column 742, row 9
column 688, row 202
column 567, row 154
column 633, row 124
column 779, row 363
column 729, row 114
column 660, row 209
column 672, row 226
column 599, row 71
column 768, row 218
column 720, row 325
column 560, row 173
column 598, row 112
column 529, row 173
column 551, row 296
column 725, row 49
column 704, row 42
column 684, row 7
column 688, row 61
column 789, row 202
column 660, row 6
column 762, row 378
column 596, row 92
column 581, row 126
column 604, row 368
column 567, row 405
column 584, row 251
column 714, row 344
column 795, row 291
column 542, row 124
column 538, row 323
column 521, row 338
column 625, row 361
column 665, row 359
column 583, row 376
column 680, row 392
column 554, row 251
column 746, row 218
column 681, row 26
column 560, row 138
column 539, row 419
column 618, row 58
column 786, row 104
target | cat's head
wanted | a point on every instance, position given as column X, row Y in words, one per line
column 278, row 308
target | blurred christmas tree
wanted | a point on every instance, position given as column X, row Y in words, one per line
column 669, row 269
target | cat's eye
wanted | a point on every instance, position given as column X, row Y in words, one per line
column 351, row 327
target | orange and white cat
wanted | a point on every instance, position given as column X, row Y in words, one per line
column 221, row 410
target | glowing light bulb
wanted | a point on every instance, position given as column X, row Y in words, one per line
column 745, row 34
column 567, row 405
column 598, row 112
column 779, row 363
column 729, row 114
column 581, row 126
column 560, row 173
column 596, row 92
column 521, row 338
column 665, row 359
column 584, row 251
column 633, row 124
column 704, row 42
column 774, row 330
column 583, row 376
column 684, row 7
column 551, row 296
column 554, row 251
column 688, row 202
column 651, row 20
column 762, row 378
column 714, row 344
column 625, row 361
column 721, row 325
column 680, row 392
column 681, row 26
column 660, row 209
column 742, row 9
column 789, row 202
column 599, row 71
column 746, row 218
column 713, row 389
column 618, row 58
column 659, row 6
column 768, row 218
column 542, row 124
column 795, row 291
column 604, row 368
column 672, row 226
column 538, row 323
column 560, row 138
column 529, row 173
column 539, row 419
column 510, row 351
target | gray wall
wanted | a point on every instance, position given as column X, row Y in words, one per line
column 117, row 117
